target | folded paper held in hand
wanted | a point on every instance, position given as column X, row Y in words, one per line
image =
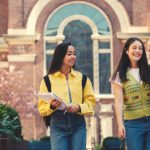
column 49, row 96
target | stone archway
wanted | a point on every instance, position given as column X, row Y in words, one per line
column 34, row 15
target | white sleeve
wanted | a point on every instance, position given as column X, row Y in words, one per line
column 117, row 80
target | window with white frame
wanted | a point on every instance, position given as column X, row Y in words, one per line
column 81, row 40
column 79, row 33
column 104, row 66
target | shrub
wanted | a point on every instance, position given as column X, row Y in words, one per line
column 97, row 147
column 10, row 125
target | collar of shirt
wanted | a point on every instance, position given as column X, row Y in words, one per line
column 72, row 73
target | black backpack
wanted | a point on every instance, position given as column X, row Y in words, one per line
column 48, row 85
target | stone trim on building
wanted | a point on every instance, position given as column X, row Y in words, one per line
column 22, row 58
column 4, row 64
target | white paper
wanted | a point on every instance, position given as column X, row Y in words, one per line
column 48, row 97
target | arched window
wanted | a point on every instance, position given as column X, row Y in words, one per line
column 89, row 31
column 79, row 33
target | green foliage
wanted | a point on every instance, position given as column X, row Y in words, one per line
column 97, row 147
column 10, row 125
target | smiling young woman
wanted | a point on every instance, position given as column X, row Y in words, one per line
column 67, row 130
column 134, row 53
column 131, row 84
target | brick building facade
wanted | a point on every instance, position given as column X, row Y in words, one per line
column 25, row 32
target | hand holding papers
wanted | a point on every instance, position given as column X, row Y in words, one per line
column 49, row 97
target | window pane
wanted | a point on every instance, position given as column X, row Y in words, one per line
column 77, row 9
column 51, row 32
column 103, row 28
column 79, row 34
column 101, row 22
column 50, row 46
column 104, row 73
column 104, row 45
column 48, row 61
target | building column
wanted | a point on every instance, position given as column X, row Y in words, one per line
column 95, row 37
column 21, row 59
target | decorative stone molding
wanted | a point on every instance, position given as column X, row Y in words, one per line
column 21, row 39
column 17, row 49
column 3, row 45
column 39, row 6
column 95, row 36
column 104, row 96
column 100, row 37
column 4, row 64
column 137, row 29
column 50, row 38
column 60, row 38
column 143, row 36
column 77, row 17
column 121, row 14
column 96, row 66
column 106, row 126
column 21, row 58
column 56, row 38
column 17, row 31
column 106, row 108
column 91, row 132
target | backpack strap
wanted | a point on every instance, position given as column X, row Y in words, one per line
column 84, row 79
column 48, row 83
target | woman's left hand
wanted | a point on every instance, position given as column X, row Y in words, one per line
column 73, row 108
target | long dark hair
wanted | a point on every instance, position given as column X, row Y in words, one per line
column 58, row 56
column 124, row 63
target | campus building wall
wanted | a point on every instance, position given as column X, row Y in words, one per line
column 22, row 53
column 3, row 16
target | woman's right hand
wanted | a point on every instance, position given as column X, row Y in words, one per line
column 55, row 103
column 121, row 132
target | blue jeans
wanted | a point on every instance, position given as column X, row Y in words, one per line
column 138, row 133
column 67, row 132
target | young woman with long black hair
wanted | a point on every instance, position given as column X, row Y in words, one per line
column 67, row 130
column 131, row 84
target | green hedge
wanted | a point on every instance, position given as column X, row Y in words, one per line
column 10, row 125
